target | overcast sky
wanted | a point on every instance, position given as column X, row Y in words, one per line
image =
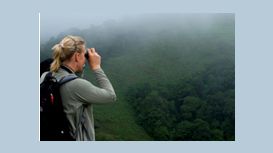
column 56, row 19
column 52, row 25
column 60, row 17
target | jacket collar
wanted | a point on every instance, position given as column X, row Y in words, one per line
column 67, row 69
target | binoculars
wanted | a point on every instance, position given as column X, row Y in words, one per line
column 86, row 54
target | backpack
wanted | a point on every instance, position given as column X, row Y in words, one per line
column 54, row 125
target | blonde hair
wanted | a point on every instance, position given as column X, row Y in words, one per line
column 65, row 50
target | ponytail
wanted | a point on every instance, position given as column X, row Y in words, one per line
column 56, row 64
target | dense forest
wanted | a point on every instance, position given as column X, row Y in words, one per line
column 174, row 76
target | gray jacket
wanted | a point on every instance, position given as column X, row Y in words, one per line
column 78, row 97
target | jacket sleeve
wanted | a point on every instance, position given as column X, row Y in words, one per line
column 88, row 93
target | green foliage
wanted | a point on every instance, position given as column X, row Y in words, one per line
column 196, row 108
column 196, row 130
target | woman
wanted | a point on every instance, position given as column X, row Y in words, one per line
column 79, row 95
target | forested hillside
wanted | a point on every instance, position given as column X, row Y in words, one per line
column 174, row 76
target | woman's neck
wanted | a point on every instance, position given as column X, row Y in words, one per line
column 69, row 66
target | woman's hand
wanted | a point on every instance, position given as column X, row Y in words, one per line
column 94, row 59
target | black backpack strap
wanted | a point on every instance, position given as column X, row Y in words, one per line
column 67, row 78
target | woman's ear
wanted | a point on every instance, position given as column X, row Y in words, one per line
column 77, row 56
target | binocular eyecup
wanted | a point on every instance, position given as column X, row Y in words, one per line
column 86, row 54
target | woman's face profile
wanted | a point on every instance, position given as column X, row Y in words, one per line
column 81, row 60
